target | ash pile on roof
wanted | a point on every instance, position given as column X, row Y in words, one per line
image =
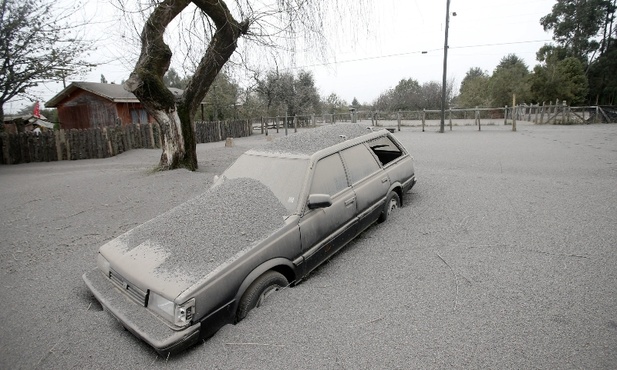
column 314, row 140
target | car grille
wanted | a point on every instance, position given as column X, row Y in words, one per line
column 136, row 294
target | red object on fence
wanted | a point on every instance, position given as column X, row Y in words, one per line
column 37, row 110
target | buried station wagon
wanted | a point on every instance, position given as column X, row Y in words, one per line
column 273, row 216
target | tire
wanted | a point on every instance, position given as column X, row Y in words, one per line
column 392, row 203
column 258, row 291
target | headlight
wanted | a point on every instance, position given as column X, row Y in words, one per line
column 178, row 314
column 102, row 264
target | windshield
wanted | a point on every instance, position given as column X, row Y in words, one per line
column 283, row 175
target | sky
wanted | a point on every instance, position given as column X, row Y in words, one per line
column 370, row 52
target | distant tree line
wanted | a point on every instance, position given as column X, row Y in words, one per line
column 580, row 67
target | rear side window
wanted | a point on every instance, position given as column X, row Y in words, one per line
column 385, row 149
column 329, row 176
column 360, row 162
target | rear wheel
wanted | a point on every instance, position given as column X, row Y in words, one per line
column 392, row 203
column 258, row 291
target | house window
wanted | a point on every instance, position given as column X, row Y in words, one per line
column 139, row 116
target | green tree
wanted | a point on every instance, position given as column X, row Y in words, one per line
column 577, row 23
column 474, row 91
column 559, row 80
column 305, row 97
column 585, row 30
column 603, row 77
column 335, row 104
column 37, row 44
column 173, row 79
column 510, row 77
column 431, row 93
column 407, row 95
column 286, row 92
column 221, row 101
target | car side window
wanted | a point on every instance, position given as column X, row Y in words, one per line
column 385, row 149
column 329, row 176
column 360, row 162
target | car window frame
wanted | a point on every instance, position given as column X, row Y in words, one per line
column 314, row 172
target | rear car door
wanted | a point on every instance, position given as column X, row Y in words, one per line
column 325, row 230
column 369, row 181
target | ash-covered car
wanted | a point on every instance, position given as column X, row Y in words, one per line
column 273, row 216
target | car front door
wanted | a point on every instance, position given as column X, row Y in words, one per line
column 325, row 230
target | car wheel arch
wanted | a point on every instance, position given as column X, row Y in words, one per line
column 398, row 189
column 281, row 265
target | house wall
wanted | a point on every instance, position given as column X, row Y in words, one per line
column 86, row 110
column 132, row 113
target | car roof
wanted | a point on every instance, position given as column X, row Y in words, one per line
column 307, row 143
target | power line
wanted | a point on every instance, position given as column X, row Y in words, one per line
column 499, row 44
column 417, row 52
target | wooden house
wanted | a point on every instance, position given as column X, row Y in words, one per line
column 84, row 105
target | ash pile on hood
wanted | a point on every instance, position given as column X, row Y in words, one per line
column 191, row 240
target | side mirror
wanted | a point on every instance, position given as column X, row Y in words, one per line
column 319, row 201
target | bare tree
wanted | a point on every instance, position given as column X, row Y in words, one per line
column 275, row 23
column 38, row 43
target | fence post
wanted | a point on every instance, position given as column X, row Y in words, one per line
column 295, row 123
column 398, row 119
column 450, row 117
column 567, row 109
column 285, row 123
column 478, row 119
column 505, row 116
column 513, row 115
column 313, row 123
column 423, row 118
column 595, row 119
column 332, row 118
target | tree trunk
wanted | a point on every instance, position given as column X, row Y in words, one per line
column 175, row 115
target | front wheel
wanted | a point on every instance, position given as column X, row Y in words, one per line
column 392, row 203
column 258, row 291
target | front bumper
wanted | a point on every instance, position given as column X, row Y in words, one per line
column 139, row 320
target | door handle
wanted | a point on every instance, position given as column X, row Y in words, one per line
column 350, row 201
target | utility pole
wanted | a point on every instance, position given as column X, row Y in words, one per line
column 445, row 71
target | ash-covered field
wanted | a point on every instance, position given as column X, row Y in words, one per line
column 503, row 257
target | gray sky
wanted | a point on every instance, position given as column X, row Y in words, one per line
column 384, row 46
column 482, row 32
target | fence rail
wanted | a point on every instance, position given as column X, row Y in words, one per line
column 539, row 114
column 58, row 145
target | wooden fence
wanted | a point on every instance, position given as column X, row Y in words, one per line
column 563, row 114
column 57, row 145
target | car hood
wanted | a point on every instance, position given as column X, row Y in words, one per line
column 171, row 252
